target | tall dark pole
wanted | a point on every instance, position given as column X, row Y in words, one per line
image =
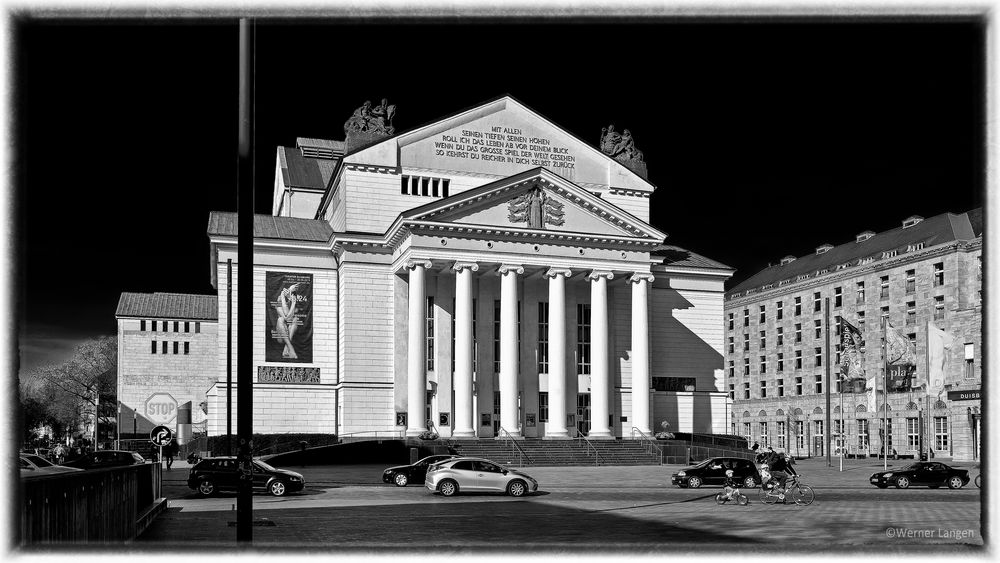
column 244, row 244
column 229, row 356
column 826, row 329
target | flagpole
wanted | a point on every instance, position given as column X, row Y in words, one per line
column 826, row 328
column 926, row 423
column 885, row 394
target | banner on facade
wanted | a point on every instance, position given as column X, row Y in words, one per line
column 901, row 377
column 289, row 317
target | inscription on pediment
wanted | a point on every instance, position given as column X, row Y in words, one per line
column 504, row 145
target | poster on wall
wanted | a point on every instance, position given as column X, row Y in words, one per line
column 289, row 317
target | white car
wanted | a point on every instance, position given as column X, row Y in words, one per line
column 32, row 464
column 473, row 474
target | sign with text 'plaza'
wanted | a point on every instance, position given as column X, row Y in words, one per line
column 160, row 408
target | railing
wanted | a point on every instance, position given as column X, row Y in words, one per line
column 590, row 446
column 505, row 436
column 370, row 435
column 648, row 443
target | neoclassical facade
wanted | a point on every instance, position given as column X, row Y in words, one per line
column 488, row 273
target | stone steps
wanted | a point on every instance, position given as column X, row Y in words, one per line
column 558, row 452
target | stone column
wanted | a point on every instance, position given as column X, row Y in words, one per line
column 416, row 354
column 463, row 349
column 556, row 426
column 508, row 348
column 640, row 351
column 600, row 399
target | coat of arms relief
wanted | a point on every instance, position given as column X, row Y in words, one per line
column 536, row 209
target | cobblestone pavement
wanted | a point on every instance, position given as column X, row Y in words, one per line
column 634, row 508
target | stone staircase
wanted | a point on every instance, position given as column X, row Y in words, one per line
column 560, row 452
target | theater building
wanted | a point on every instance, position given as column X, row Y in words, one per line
column 487, row 273
column 926, row 271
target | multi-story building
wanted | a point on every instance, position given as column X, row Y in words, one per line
column 779, row 345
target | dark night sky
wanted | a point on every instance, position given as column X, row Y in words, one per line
column 764, row 139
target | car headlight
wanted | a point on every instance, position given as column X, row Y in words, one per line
column 387, row 472
column 887, row 475
column 296, row 478
column 681, row 474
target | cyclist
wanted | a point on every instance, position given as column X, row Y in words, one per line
column 780, row 469
column 731, row 484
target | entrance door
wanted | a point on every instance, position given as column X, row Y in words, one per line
column 583, row 413
column 496, row 413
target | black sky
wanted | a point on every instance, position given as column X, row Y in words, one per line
column 764, row 139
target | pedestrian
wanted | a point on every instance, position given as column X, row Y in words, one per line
column 168, row 452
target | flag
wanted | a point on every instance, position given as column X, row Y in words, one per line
column 898, row 348
column 852, row 364
column 939, row 345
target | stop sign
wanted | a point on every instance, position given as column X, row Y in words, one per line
column 161, row 408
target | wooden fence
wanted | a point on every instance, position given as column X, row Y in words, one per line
column 99, row 506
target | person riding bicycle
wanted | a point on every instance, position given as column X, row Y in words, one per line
column 780, row 469
column 731, row 484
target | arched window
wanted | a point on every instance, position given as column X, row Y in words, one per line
column 797, row 412
column 911, row 406
column 940, row 405
column 746, row 414
column 884, row 408
column 817, row 410
column 861, row 408
column 762, row 413
column 836, row 410
column 779, row 412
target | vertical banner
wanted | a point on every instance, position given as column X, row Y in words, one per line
column 288, row 335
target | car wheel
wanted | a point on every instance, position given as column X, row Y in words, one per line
column 750, row 483
column 206, row 488
column 401, row 480
column 517, row 488
column 277, row 488
column 902, row 483
column 448, row 488
column 694, row 482
column 955, row 482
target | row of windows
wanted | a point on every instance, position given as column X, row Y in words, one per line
column 838, row 296
column 165, row 326
column 799, row 430
column 422, row 185
column 165, row 346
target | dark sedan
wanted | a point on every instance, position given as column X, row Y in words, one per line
column 214, row 474
column 924, row 473
column 713, row 472
column 403, row 475
column 106, row 458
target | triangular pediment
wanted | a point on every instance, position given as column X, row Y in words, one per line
column 500, row 139
column 534, row 201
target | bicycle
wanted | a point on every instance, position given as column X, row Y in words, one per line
column 732, row 493
column 801, row 494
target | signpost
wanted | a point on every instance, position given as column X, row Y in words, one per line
column 160, row 436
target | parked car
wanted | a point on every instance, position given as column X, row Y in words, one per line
column 213, row 474
column 473, row 474
column 403, row 475
column 712, row 471
column 32, row 465
column 931, row 474
column 106, row 458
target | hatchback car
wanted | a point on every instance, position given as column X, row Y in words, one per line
column 473, row 474
column 32, row 465
column 403, row 475
column 713, row 472
column 213, row 474
column 924, row 473
column 106, row 458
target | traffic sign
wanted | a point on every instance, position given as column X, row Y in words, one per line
column 160, row 436
column 161, row 408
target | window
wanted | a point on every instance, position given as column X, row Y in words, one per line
column 732, row 393
column 779, row 311
column 883, row 287
column 746, row 393
column 425, row 184
column 911, row 312
column 164, row 347
column 543, row 406
column 435, row 185
column 838, row 296
column 445, row 184
column 836, row 361
column 543, row 338
column 187, row 348
column 763, row 339
column 496, row 337
column 429, row 318
column 861, row 321
column 798, row 385
column 731, row 345
column 800, row 434
column 187, row 326
column 153, row 325
column 781, row 336
column 731, row 321
column 746, row 366
column 798, row 359
column 819, row 357
column 888, row 434
column 177, row 327
column 781, row 387
column 582, row 338
column 154, row 347
column 883, row 316
column 819, row 384
column 762, row 428
column 746, row 342
column 861, row 293
column 197, row 327
column 911, row 281
column 732, row 368
column 780, row 434
column 142, row 325
column 781, row 362
column 836, row 325
column 864, row 438
column 938, row 307
column 798, row 332
column 746, row 429
column 817, row 303
column 746, row 317
column 970, row 361
column 763, row 364
column 940, row 433
column 404, row 185
column 818, row 326
column 763, row 315
column 763, row 389
column 939, row 274
column 176, row 347
column 912, row 434
column 673, row 384
column 798, row 306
